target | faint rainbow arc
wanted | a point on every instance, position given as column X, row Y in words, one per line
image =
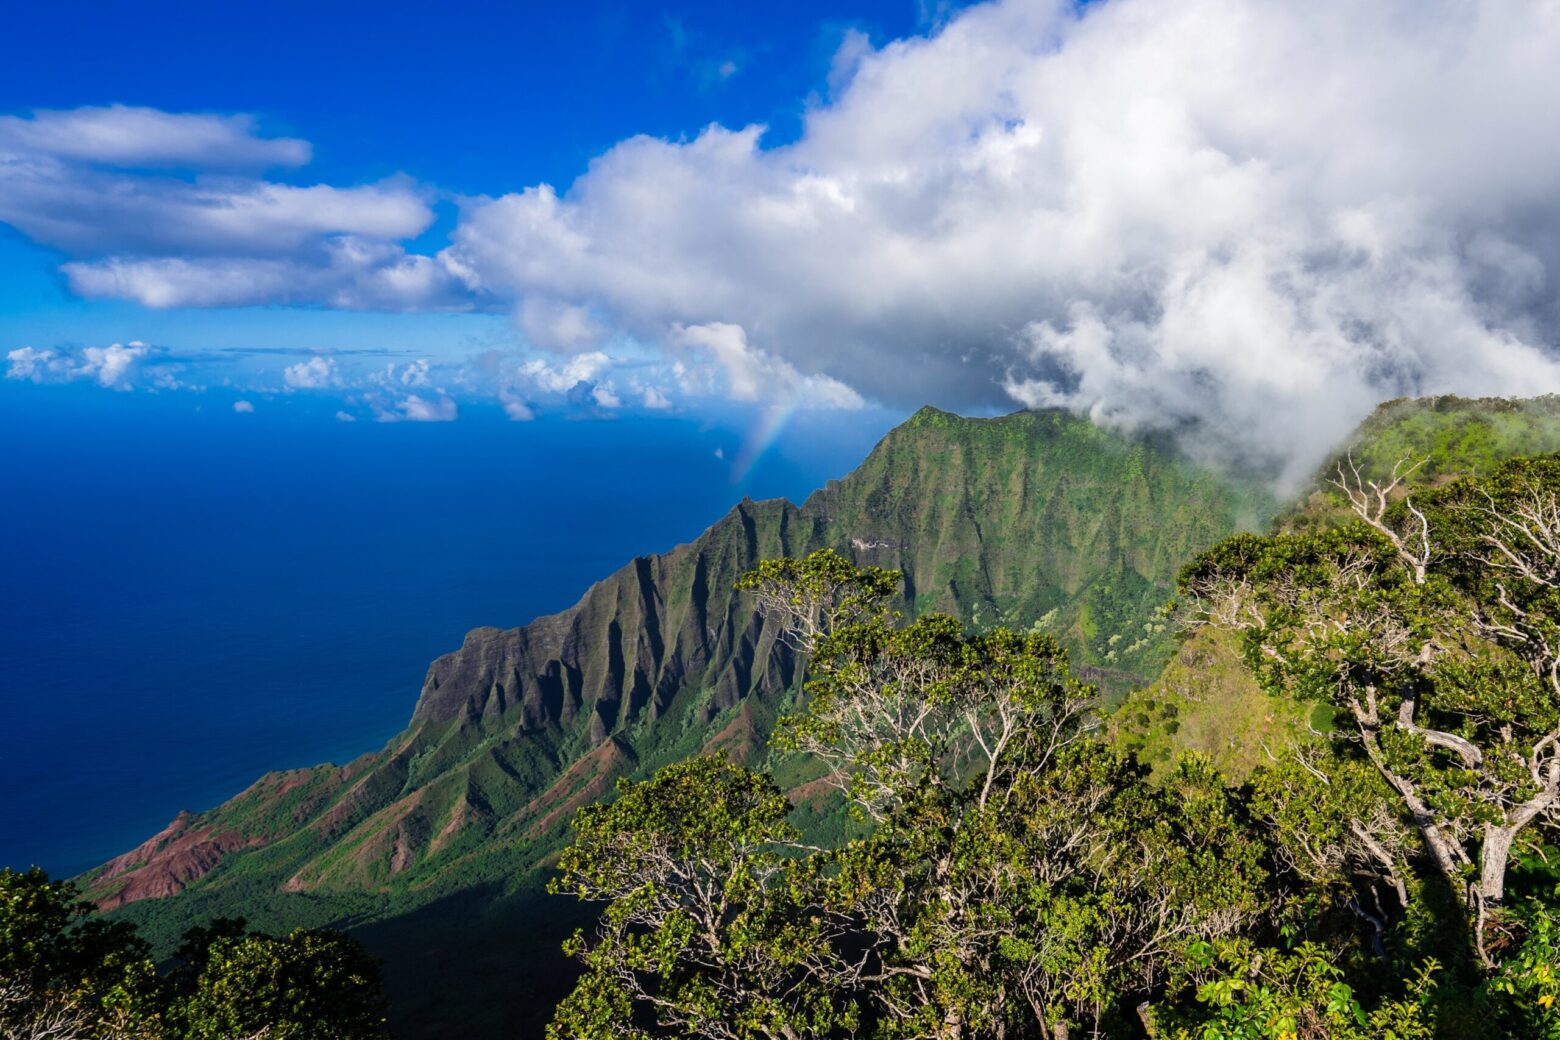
column 770, row 424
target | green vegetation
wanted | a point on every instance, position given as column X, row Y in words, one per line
column 1441, row 438
column 1033, row 521
column 1206, row 701
column 66, row 974
column 1432, row 625
column 1021, row 876
column 434, row 851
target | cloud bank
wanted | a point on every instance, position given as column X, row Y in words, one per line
column 1256, row 216
column 118, row 366
column 208, row 232
column 1249, row 220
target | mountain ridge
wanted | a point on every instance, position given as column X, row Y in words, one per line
column 1034, row 517
column 431, row 848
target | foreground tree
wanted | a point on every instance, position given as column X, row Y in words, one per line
column 1020, row 877
column 68, row 974
column 306, row 985
column 708, row 930
column 1432, row 623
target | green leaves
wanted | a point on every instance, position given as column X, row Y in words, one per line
column 708, row 928
column 64, row 972
column 1244, row 992
column 1432, row 623
column 307, row 985
column 1020, row 873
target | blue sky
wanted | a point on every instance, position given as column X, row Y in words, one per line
column 1246, row 220
column 472, row 98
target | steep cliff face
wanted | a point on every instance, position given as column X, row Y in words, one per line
column 431, row 846
column 1034, row 518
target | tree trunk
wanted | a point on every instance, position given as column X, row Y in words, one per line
column 1492, row 863
column 1441, row 850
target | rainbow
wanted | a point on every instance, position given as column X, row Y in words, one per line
column 769, row 425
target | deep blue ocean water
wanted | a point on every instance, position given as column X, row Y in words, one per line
column 191, row 597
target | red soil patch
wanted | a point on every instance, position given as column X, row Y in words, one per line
column 167, row 863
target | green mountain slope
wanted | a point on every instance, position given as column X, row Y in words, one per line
column 1432, row 439
column 1035, row 518
column 1205, row 699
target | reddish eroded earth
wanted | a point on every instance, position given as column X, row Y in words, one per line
column 164, row 865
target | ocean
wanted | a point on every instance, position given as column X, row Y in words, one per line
column 190, row 597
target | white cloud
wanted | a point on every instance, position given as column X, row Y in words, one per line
column 1258, row 215
column 412, row 374
column 114, row 366
column 313, row 374
column 345, row 417
column 84, row 211
column 438, row 407
column 243, row 407
column 1268, row 213
column 121, row 135
column 655, row 399
column 415, row 373
column 201, row 234
column 558, row 326
column 561, row 376
column 753, row 375
column 516, row 407
column 605, row 396
column 345, row 273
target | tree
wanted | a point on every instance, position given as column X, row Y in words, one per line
column 1432, row 621
column 66, row 973
column 705, row 928
column 307, row 985
column 1246, row 992
column 1020, row 877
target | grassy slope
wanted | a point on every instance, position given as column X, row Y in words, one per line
column 1205, row 699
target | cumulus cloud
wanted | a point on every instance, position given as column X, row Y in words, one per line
column 563, row 375
column 205, row 234
column 1249, row 220
column 437, row 407
column 243, row 407
column 115, row 366
column 558, row 326
column 316, row 373
column 347, row 273
column 754, row 375
column 415, row 373
column 517, row 408
column 91, row 212
column 1251, row 213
